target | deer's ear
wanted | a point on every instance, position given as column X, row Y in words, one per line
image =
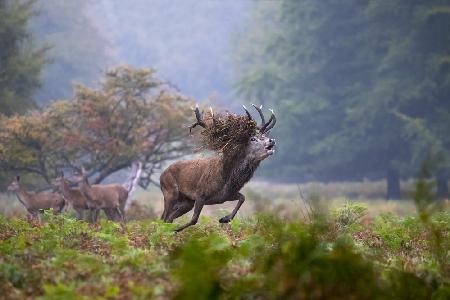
column 18, row 178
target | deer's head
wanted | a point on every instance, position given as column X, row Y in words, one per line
column 14, row 185
column 79, row 175
column 261, row 146
column 58, row 181
column 238, row 133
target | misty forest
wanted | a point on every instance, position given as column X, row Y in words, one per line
column 235, row 149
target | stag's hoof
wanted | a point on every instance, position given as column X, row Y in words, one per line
column 225, row 219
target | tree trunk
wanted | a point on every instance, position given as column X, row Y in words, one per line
column 442, row 184
column 393, row 184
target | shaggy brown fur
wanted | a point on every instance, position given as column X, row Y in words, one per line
column 206, row 181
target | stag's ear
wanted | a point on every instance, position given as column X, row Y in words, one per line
column 18, row 178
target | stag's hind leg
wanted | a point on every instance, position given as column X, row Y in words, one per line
column 170, row 192
column 181, row 208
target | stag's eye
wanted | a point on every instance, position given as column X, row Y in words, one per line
column 253, row 139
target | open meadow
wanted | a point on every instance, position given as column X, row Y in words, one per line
column 281, row 246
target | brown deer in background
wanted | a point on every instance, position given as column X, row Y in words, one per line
column 73, row 196
column 214, row 180
column 35, row 202
column 112, row 198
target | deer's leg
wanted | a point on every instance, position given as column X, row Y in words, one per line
column 79, row 213
column 109, row 214
column 198, row 205
column 122, row 212
column 93, row 214
column 121, row 216
column 37, row 214
column 230, row 217
column 33, row 215
column 96, row 214
column 170, row 198
column 169, row 188
column 57, row 209
column 182, row 208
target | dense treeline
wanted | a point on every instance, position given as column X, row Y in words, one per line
column 21, row 61
column 363, row 86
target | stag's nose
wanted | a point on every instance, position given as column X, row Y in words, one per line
column 272, row 141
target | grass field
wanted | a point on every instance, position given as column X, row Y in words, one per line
column 285, row 244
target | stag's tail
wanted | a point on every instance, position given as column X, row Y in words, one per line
column 133, row 180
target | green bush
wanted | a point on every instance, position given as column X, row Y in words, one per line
column 261, row 257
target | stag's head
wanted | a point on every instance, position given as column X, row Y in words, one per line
column 14, row 185
column 238, row 134
column 260, row 145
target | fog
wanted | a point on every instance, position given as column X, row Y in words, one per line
column 360, row 89
column 188, row 42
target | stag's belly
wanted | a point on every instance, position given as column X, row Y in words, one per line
column 221, row 197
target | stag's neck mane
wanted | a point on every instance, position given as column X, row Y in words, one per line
column 238, row 169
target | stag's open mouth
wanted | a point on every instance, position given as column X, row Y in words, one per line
column 270, row 149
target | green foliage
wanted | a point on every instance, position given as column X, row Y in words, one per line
column 348, row 214
column 133, row 115
column 254, row 258
column 361, row 85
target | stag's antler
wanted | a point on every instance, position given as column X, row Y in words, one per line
column 248, row 114
column 265, row 126
column 269, row 125
column 198, row 116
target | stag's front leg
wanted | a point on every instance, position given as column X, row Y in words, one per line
column 228, row 218
column 198, row 206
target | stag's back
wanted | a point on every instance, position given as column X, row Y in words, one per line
column 195, row 178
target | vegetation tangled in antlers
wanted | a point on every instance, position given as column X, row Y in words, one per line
column 226, row 132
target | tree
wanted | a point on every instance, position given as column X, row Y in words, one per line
column 21, row 61
column 133, row 116
column 306, row 68
column 409, row 95
column 354, row 79
column 79, row 51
